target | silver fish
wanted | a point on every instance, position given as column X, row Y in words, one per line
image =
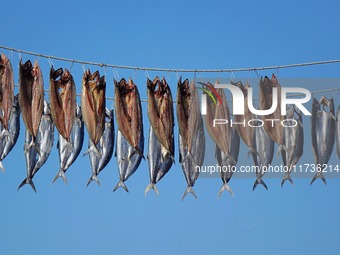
column 6, row 145
column 323, row 136
column 264, row 146
column 293, row 141
column 31, row 156
column 226, row 162
column 68, row 154
column 105, row 148
column 159, row 161
column 128, row 158
column 337, row 131
column 197, row 151
column 44, row 142
column 45, row 137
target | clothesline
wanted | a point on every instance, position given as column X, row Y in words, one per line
column 172, row 70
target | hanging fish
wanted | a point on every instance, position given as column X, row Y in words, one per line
column 337, row 131
column 6, row 145
column 44, row 142
column 293, row 141
column 220, row 134
column 191, row 133
column 6, row 93
column 274, row 129
column 226, row 163
column 189, row 164
column 129, row 113
column 93, row 106
column 264, row 156
column 159, row 162
column 323, row 133
column 68, row 154
column 105, row 148
column 245, row 131
column 31, row 97
column 127, row 160
column 62, row 103
column 160, row 113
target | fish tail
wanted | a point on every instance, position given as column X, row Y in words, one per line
column 2, row 167
column 259, row 181
column 28, row 181
column 318, row 175
column 187, row 191
column 285, row 178
column 252, row 151
column 62, row 175
column 121, row 184
column 224, row 187
column 149, row 187
column 93, row 178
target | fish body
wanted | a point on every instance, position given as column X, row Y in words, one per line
column 160, row 113
column 93, row 104
column 246, row 132
column 220, row 134
column 45, row 137
column 191, row 137
column 31, row 156
column 274, row 129
column 264, row 146
column 35, row 159
column 323, row 133
column 105, row 148
column 127, row 158
column 189, row 164
column 225, row 162
column 31, row 96
column 293, row 141
column 159, row 162
column 128, row 111
column 6, row 91
column 6, row 145
column 62, row 103
column 68, row 154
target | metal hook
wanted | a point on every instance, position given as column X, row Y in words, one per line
column 83, row 66
column 71, row 65
column 115, row 74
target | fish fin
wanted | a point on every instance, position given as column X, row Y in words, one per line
column 27, row 181
column 259, row 181
column 318, row 175
column 189, row 190
column 5, row 133
column 2, row 167
column 68, row 145
column 285, row 178
column 224, row 187
column 138, row 151
column 252, row 151
column 121, row 184
column 231, row 158
column 149, row 187
column 33, row 144
column 93, row 149
column 279, row 150
column 93, row 178
column 62, row 175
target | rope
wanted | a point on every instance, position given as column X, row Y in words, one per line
column 172, row 70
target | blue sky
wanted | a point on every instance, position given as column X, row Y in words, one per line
column 74, row 219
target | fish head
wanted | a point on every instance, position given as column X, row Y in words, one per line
column 66, row 76
column 27, row 67
column 36, row 72
column 152, row 84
